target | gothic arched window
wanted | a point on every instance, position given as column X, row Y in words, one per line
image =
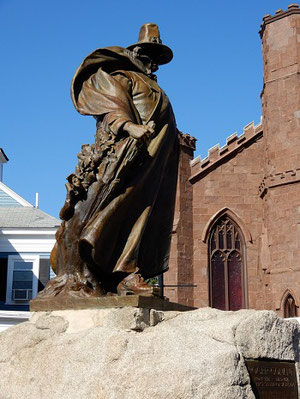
column 289, row 307
column 226, row 265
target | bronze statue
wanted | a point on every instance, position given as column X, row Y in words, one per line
column 118, row 214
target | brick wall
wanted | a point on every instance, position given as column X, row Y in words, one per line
column 230, row 179
column 178, row 281
column 281, row 109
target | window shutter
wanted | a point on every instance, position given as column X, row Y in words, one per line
column 44, row 273
column 3, row 278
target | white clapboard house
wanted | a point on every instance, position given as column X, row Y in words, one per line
column 27, row 236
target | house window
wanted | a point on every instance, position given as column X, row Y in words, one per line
column 22, row 281
column 22, row 278
column 289, row 307
column 226, row 265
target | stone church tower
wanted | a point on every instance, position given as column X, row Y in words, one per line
column 236, row 236
column 280, row 190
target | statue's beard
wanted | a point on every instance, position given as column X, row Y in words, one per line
column 149, row 66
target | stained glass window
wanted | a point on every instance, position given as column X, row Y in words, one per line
column 290, row 308
column 226, row 265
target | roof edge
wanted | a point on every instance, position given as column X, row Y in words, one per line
column 28, row 230
column 14, row 195
column 3, row 156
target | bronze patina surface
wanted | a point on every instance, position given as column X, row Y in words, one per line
column 118, row 214
column 117, row 301
column 271, row 379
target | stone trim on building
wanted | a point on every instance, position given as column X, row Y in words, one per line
column 185, row 140
column 279, row 179
column 233, row 216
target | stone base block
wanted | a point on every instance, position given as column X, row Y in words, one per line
column 127, row 318
column 137, row 301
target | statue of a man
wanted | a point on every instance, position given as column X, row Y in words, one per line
column 117, row 218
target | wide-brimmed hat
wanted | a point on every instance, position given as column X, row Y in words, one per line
column 151, row 44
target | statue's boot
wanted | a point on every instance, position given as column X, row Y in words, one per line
column 134, row 284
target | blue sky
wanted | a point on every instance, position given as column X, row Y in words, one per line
column 214, row 81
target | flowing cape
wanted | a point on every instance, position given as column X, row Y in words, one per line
column 125, row 222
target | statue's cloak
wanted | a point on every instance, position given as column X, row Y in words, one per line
column 125, row 223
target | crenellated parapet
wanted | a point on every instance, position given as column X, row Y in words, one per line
column 268, row 18
column 186, row 140
column 217, row 154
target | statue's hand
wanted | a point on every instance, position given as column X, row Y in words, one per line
column 138, row 132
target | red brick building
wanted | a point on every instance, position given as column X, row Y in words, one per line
column 236, row 236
